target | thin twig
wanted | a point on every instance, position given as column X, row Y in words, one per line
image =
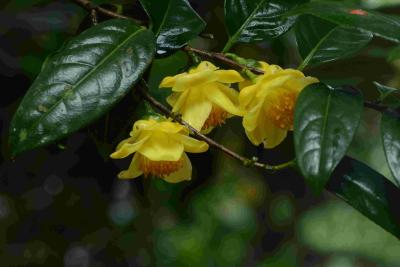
column 93, row 16
column 222, row 58
column 375, row 106
column 143, row 89
column 89, row 6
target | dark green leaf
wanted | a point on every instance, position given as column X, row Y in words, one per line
column 390, row 131
column 325, row 121
column 387, row 94
column 369, row 192
column 394, row 54
column 385, row 26
column 163, row 67
column 256, row 20
column 321, row 41
column 174, row 22
column 81, row 82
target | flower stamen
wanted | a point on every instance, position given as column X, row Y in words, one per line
column 160, row 169
column 281, row 113
column 217, row 117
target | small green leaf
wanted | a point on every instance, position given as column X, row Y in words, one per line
column 369, row 192
column 174, row 23
column 387, row 94
column 321, row 41
column 256, row 20
column 390, row 132
column 325, row 121
column 385, row 26
column 81, row 82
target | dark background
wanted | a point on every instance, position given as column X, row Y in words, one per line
column 63, row 205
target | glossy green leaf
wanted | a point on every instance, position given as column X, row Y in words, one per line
column 321, row 41
column 325, row 122
column 81, row 82
column 394, row 54
column 369, row 192
column 385, row 26
column 388, row 94
column 390, row 132
column 174, row 23
column 256, row 20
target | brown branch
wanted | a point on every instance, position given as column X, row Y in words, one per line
column 222, row 58
column 93, row 15
column 87, row 4
column 143, row 89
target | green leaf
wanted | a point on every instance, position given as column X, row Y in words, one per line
column 325, row 122
column 174, row 23
column 369, row 192
column 385, row 26
column 321, row 41
column 256, row 20
column 387, row 94
column 390, row 132
column 81, row 82
column 168, row 66
column 394, row 54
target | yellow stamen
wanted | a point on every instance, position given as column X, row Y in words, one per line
column 217, row 117
column 160, row 169
column 281, row 113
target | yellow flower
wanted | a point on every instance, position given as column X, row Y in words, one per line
column 270, row 102
column 159, row 148
column 203, row 96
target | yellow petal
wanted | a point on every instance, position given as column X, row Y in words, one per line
column 228, row 76
column 204, row 65
column 194, row 80
column 196, row 109
column 140, row 125
column 170, row 81
column 263, row 65
column 251, row 118
column 191, row 145
column 247, row 95
column 215, row 95
column 178, row 100
column 170, row 127
column 133, row 170
column 244, row 84
column 160, row 146
column 184, row 173
column 274, row 136
column 128, row 148
column 299, row 84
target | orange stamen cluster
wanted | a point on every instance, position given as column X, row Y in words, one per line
column 281, row 113
column 217, row 117
column 158, row 168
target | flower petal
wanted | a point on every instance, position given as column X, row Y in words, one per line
column 133, row 170
column 128, row 148
column 190, row 144
column 197, row 79
column 247, row 94
column 170, row 81
column 161, row 147
column 215, row 95
column 299, row 84
column 274, row 136
column 228, row 76
column 184, row 173
column 251, row 118
column 204, row 65
column 196, row 109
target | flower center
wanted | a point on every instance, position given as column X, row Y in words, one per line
column 217, row 117
column 281, row 113
column 160, row 168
